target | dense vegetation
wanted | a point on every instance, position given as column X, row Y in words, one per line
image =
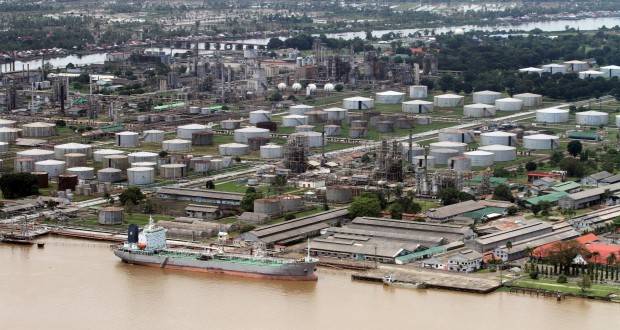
column 16, row 185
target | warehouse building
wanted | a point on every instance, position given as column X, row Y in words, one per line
column 601, row 195
column 519, row 249
column 595, row 219
column 204, row 212
column 495, row 240
column 201, row 196
column 445, row 213
column 449, row 232
column 461, row 260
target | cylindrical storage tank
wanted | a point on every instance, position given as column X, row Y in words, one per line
column 36, row 154
column 120, row 162
column 176, row 145
column 611, row 71
column 201, row 166
column 417, row 106
column 369, row 114
column 518, row 131
column 173, row 171
column 442, row 155
column 68, row 148
column 406, row 122
column 171, row 118
column 205, row 111
column 541, row 142
column 459, row 163
column 234, row 149
column 9, row 134
column 415, row 151
column 554, row 68
column 389, row 97
column 83, row 173
column 576, row 66
column 480, row 157
column 531, row 70
column 590, row 74
column 202, row 139
column 592, row 118
column 268, row 206
column 230, row 124
column 186, row 131
column 304, row 128
column 478, row 110
column 315, row 139
column 75, row 160
column 332, row 130
column 23, row 165
column 418, row 92
column 486, row 97
column 385, row 126
column 509, row 104
column 526, row 133
column 145, row 164
column 456, row 135
column 39, row 129
column 272, row 126
column 142, row 118
column 243, row 134
column 503, row 138
column 154, row 118
column 339, row 194
column 359, row 123
column 256, row 142
column 353, row 117
column 552, row 116
column 111, row 215
column 216, row 164
column 423, row 161
column 358, row 103
column 110, row 175
column 143, row 156
column 529, row 99
column 7, row 123
column 127, row 139
column 141, row 175
column 271, row 151
column 461, row 147
column 294, row 120
column 291, row 203
column 4, row 147
column 336, row 113
column 259, row 116
column 501, row 153
column 99, row 154
column 358, row 132
column 67, row 182
column 316, row 116
column 43, row 179
column 448, row 100
column 618, row 121
column 194, row 110
column 53, row 167
column 423, row 120
column 300, row 109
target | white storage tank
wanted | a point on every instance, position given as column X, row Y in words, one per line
column 259, row 116
column 448, row 100
column 592, row 118
column 53, row 167
column 358, row 132
column 23, row 165
column 529, row 99
column 230, row 123
column 389, row 97
column 576, row 66
column 498, row 137
column 531, row 70
column 328, row 88
column 417, row 106
column 611, row 71
column 271, row 151
column 145, row 164
column 39, row 129
column 304, row 128
column 194, row 110
column 502, row 153
column 216, row 164
column 442, row 155
column 554, row 68
column 234, row 149
column 68, row 148
column 110, row 175
column 282, row 87
column 99, row 154
column 294, row 120
column 590, row 74
column 153, row 136
column 552, row 115
column 480, row 158
column 9, row 134
column 176, row 145
column 315, row 139
column 75, row 160
column 201, row 166
column 186, row 131
column 456, row 135
column 418, row 92
column 36, row 154
column 243, row 134
column 296, row 87
column 4, row 147
column 423, row 161
column 300, row 109
column 143, row 156
column 83, row 173
column 486, row 97
column 336, row 113
column 173, row 171
column 459, row 163
column 358, row 103
column 332, row 130
column 461, row 147
column 7, row 123
column 127, row 139
column 120, row 162
column 111, row 215
column 509, row 104
column 140, row 175
column 541, row 142
column 479, row 110
column 618, row 121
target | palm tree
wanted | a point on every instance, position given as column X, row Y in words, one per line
column 595, row 255
column 611, row 259
column 508, row 247
column 528, row 251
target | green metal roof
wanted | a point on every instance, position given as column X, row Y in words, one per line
column 168, row 106
column 478, row 214
column 584, row 135
column 553, row 197
column 216, row 107
column 566, row 186
column 421, row 254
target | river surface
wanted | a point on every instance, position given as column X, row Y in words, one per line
column 73, row 284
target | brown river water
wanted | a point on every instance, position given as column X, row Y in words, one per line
column 77, row 284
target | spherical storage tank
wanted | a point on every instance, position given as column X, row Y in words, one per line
column 541, row 142
column 442, row 155
column 486, row 97
column 611, row 71
column 501, row 153
column 39, row 129
column 417, row 106
column 140, row 175
column 459, row 163
column 36, row 154
column 259, row 116
column 461, row 147
column 62, row 149
column 7, row 123
column 423, row 161
column 315, row 139
column 448, row 100
column 339, row 194
column 99, row 154
column 173, row 171
column 271, row 151
column 110, row 175
column 243, row 134
column 127, row 139
column 554, row 68
column 9, row 134
column 176, row 145
column 593, row 118
column 456, row 135
column 186, row 131
column 83, row 173
column 509, row 104
column 336, row 113
column 234, row 149
column 479, row 110
column 529, row 99
column 358, row 103
column 480, row 158
column 299, row 109
column 111, row 215
column 389, row 97
column 143, row 156
column 418, row 92
column 590, row 74
column 329, row 88
column 503, row 138
column 294, row 120
column 282, row 87
column 53, row 167
column 552, row 116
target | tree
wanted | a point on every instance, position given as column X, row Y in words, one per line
column 531, row 166
column 509, row 246
column 535, row 209
column 396, row 211
column 449, row 196
column 545, row 207
column 279, row 182
column 147, row 205
column 163, row 154
column 574, row 148
column 512, row 210
column 275, row 43
column 246, row 227
column 61, row 123
column 502, row 193
column 584, row 282
column 573, row 167
column 16, row 185
column 210, row 184
column 133, row 194
column 564, row 252
column 129, row 205
column 339, row 88
column 556, row 157
column 250, row 190
column 365, row 206
column 247, row 202
column 109, row 198
column 611, row 259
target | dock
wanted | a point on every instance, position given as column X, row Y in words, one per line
column 433, row 279
column 538, row 292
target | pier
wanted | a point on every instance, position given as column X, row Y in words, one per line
column 538, row 292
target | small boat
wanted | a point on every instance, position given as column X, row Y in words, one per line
column 16, row 239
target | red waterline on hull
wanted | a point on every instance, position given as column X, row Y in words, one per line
column 312, row 277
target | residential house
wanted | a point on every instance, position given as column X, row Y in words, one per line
column 461, row 260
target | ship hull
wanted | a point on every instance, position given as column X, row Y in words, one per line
column 303, row 271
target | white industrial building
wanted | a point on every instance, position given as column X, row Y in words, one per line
column 554, row 68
